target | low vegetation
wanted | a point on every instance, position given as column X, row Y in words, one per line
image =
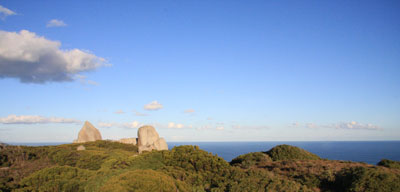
column 389, row 163
column 111, row 166
column 287, row 152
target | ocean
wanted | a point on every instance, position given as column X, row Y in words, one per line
column 370, row 152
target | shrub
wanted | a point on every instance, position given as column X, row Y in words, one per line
column 287, row 152
column 208, row 171
column 260, row 180
column 389, row 163
column 250, row 159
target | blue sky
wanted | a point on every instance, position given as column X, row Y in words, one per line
column 200, row 70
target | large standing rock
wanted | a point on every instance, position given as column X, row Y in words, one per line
column 88, row 133
column 148, row 139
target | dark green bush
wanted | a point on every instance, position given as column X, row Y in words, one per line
column 250, row 159
column 287, row 152
column 389, row 163
column 209, row 171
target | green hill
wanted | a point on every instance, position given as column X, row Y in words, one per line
column 111, row 166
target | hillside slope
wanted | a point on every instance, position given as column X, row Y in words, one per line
column 111, row 166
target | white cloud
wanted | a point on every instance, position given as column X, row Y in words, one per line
column 34, row 119
column 189, row 111
column 35, row 59
column 154, row 105
column 175, row 125
column 56, row 23
column 4, row 12
column 119, row 112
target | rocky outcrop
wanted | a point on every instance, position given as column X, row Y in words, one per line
column 148, row 139
column 88, row 133
column 132, row 141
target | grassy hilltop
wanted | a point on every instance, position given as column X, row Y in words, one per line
column 112, row 166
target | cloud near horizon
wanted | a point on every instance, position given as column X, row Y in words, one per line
column 35, row 119
column 154, row 105
column 56, row 23
column 35, row 59
column 4, row 12
column 353, row 125
column 175, row 125
column 255, row 127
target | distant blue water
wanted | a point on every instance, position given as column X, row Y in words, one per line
column 361, row 151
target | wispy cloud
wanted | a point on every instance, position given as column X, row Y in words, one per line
column 84, row 81
column 154, row 105
column 137, row 113
column 248, row 127
column 189, row 111
column 4, row 12
column 56, row 23
column 35, row 59
column 295, row 124
column 311, row 125
column 352, row 125
column 119, row 112
column 218, row 127
column 175, row 125
column 35, row 119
